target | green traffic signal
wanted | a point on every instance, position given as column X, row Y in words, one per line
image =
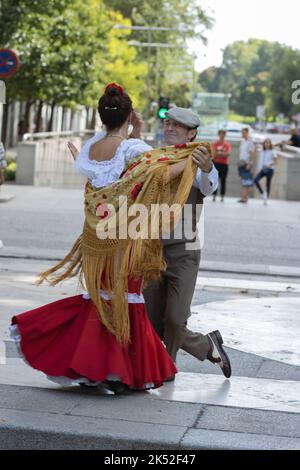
column 161, row 113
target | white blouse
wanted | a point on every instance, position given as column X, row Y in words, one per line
column 266, row 158
column 102, row 173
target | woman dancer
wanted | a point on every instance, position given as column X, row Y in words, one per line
column 105, row 336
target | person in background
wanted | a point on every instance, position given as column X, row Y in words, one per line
column 247, row 149
column 221, row 153
column 3, row 163
column 267, row 160
column 294, row 140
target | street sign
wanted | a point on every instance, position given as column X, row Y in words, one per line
column 9, row 63
column 260, row 112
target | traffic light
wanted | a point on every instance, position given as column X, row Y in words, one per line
column 163, row 106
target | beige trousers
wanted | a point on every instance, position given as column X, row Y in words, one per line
column 168, row 303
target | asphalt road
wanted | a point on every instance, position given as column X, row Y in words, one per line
column 47, row 220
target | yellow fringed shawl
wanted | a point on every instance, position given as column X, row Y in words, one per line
column 107, row 263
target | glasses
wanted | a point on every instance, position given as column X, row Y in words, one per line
column 173, row 124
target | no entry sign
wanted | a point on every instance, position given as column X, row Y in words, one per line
column 9, row 63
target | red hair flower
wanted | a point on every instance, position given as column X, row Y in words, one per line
column 114, row 85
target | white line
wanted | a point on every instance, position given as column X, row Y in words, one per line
column 248, row 285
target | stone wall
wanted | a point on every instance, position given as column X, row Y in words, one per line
column 49, row 163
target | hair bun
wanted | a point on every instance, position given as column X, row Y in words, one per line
column 112, row 89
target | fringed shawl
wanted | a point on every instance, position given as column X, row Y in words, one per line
column 108, row 263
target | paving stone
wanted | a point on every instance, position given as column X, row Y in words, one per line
column 220, row 440
column 33, row 430
column 250, row 421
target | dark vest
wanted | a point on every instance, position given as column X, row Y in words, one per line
column 186, row 228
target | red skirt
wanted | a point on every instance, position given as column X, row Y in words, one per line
column 66, row 339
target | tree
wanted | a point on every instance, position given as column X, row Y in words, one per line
column 186, row 19
column 13, row 13
column 67, row 56
column 256, row 72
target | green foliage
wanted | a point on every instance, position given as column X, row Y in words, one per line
column 242, row 119
column 186, row 19
column 13, row 13
column 10, row 171
column 56, row 53
column 68, row 49
column 256, row 72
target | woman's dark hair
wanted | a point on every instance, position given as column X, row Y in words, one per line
column 114, row 107
column 270, row 142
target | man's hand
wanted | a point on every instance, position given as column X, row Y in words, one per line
column 202, row 158
column 74, row 151
column 137, row 123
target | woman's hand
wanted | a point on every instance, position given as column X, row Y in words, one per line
column 202, row 158
column 74, row 151
column 137, row 123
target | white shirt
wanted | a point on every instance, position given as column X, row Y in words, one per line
column 266, row 158
column 102, row 173
column 207, row 182
column 246, row 147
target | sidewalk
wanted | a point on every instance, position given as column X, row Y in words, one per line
column 258, row 408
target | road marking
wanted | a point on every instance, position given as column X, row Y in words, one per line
column 244, row 284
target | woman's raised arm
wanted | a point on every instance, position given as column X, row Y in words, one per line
column 74, row 151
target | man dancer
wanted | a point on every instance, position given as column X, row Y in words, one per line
column 169, row 301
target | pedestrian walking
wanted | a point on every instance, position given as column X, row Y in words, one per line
column 221, row 153
column 267, row 160
column 245, row 163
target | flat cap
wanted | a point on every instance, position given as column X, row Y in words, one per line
column 185, row 116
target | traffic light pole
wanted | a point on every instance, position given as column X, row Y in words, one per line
column 149, row 45
column 148, row 81
column 157, row 71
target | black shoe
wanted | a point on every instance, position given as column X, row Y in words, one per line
column 89, row 384
column 216, row 353
column 116, row 386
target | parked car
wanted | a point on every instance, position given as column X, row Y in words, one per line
column 234, row 129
